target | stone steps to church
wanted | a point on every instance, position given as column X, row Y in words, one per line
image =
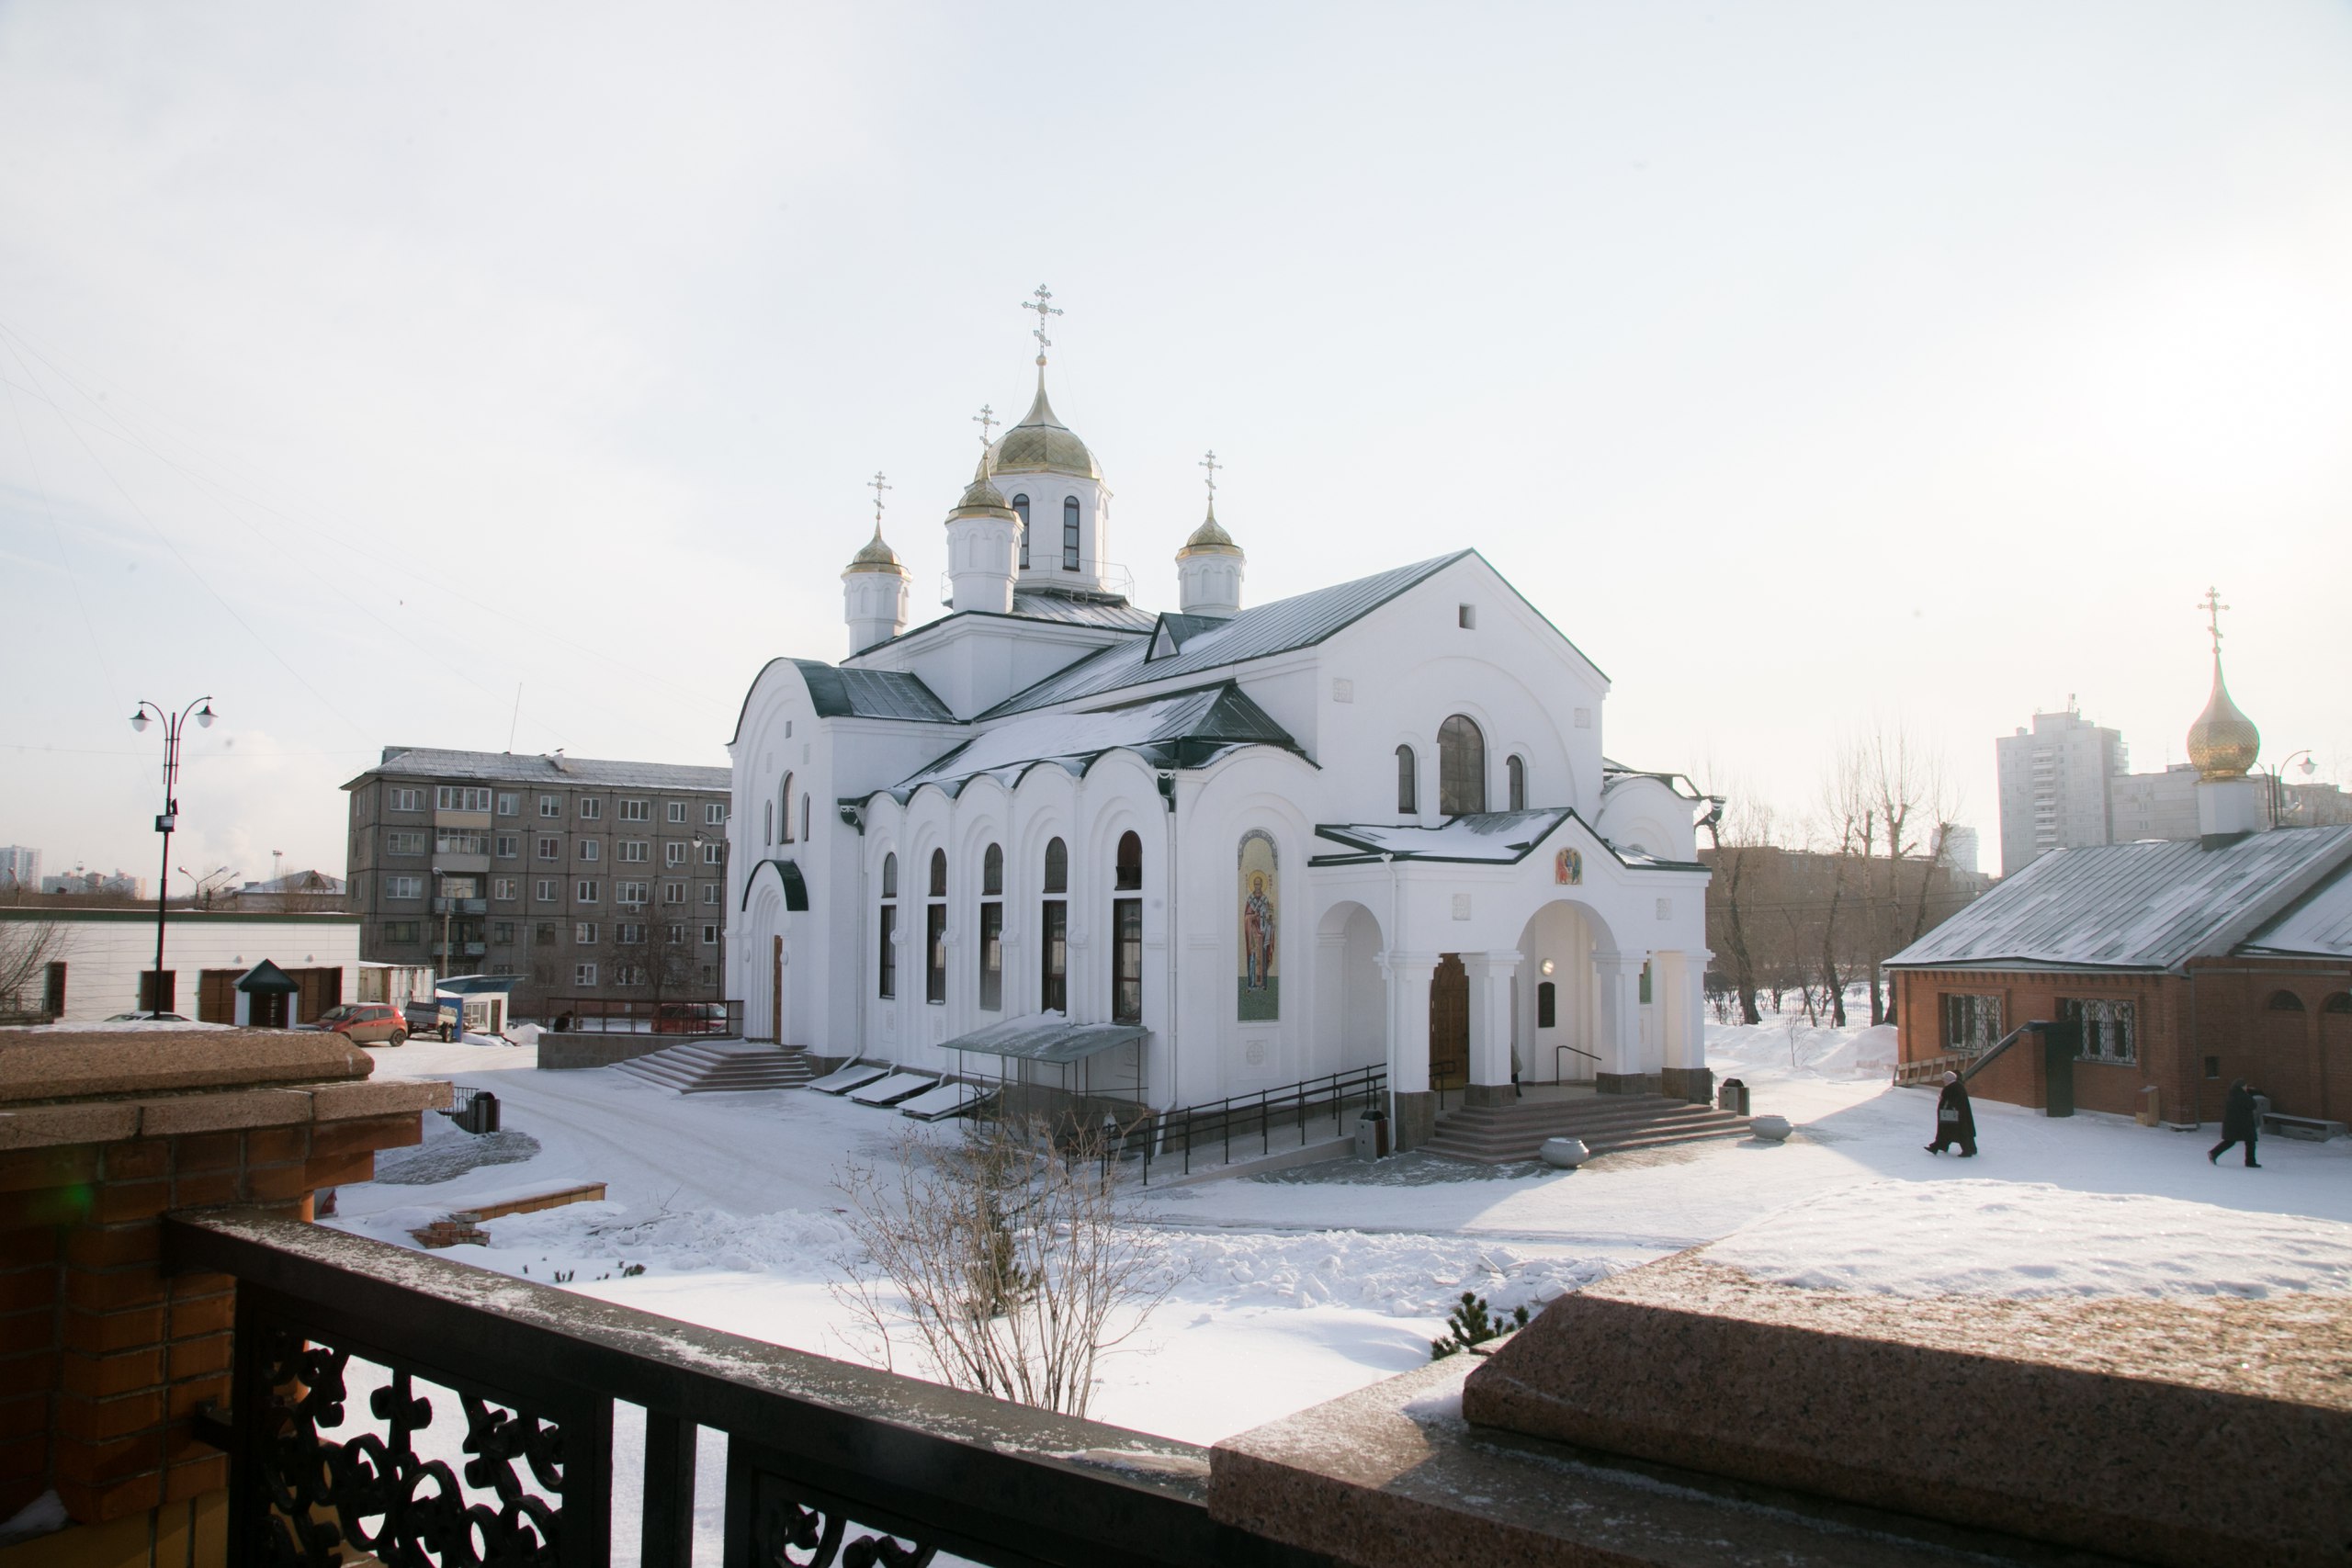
column 1490, row 1134
column 733, row 1068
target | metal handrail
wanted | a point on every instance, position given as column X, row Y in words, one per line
column 531, row 1376
column 1221, row 1118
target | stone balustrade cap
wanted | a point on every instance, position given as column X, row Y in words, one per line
column 39, row 1068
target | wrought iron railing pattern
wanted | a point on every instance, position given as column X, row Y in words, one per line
column 826, row 1461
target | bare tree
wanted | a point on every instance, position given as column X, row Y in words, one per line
column 27, row 950
column 1009, row 1255
column 1742, row 834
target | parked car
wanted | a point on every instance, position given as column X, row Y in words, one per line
column 364, row 1023
column 422, row 1014
column 690, row 1018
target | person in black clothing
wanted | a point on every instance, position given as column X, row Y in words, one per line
column 2239, row 1125
column 1955, row 1121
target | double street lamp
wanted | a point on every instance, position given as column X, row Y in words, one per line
column 173, row 724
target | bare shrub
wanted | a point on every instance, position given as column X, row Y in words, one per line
column 27, row 950
column 1009, row 1255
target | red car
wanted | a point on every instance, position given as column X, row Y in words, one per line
column 364, row 1023
column 690, row 1018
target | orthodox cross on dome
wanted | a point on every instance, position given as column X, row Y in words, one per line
column 878, row 484
column 1212, row 465
column 986, row 418
column 1043, row 307
column 2213, row 607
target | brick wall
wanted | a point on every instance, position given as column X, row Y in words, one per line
column 104, row 1357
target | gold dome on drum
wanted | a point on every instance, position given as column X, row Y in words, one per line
column 1209, row 539
column 982, row 498
column 2223, row 743
column 1040, row 443
column 877, row 557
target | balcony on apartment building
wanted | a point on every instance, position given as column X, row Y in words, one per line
column 462, row 906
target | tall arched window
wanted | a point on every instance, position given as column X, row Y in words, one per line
column 1052, row 947
column 804, row 818
column 1461, row 768
column 767, row 824
column 1069, row 533
column 1515, row 772
column 1408, row 794
column 1021, row 510
column 993, row 929
column 886, row 960
column 784, row 800
column 1126, row 934
column 934, row 932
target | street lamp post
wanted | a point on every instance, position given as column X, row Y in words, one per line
column 2277, row 781
column 169, row 818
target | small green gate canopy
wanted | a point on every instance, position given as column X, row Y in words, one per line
column 267, row 976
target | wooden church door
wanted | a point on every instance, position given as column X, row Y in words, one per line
column 1449, row 1024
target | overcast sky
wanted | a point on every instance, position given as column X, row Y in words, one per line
column 1811, row 367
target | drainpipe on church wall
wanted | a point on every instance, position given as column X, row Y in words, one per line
column 1175, row 955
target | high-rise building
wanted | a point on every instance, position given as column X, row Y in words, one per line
column 2056, row 787
column 19, row 868
column 584, row 879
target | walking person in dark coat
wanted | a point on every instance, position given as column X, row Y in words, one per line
column 2240, row 1124
column 1955, row 1120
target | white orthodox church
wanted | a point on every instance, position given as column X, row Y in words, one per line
column 1168, row 858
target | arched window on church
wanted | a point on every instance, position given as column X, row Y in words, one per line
column 886, row 959
column 1053, row 949
column 767, row 824
column 804, row 818
column 1408, row 794
column 934, row 932
column 1461, row 768
column 1126, row 934
column 993, row 929
column 784, row 798
column 1069, row 533
column 1547, row 1005
column 1515, row 772
column 1021, row 510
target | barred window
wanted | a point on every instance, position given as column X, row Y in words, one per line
column 2110, row 1030
column 1972, row 1022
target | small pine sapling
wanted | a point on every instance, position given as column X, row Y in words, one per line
column 1470, row 1323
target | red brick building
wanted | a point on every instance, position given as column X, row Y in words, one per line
column 2189, row 962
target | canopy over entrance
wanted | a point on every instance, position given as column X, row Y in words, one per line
column 267, row 978
column 1047, row 1037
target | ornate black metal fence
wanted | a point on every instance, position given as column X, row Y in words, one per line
column 422, row 1411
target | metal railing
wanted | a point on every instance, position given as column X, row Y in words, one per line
column 631, row 1015
column 402, row 1406
column 1291, row 1107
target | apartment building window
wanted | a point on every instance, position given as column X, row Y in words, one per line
column 591, row 808
column 633, row 850
column 1971, row 1023
column 460, row 797
column 714, row 814
column 550, row 805
column 637, row 812
column 544, row 933
column 502, row 932
column 709, row 974
column 710, row 892
column 2109, row 1028
column 675, row 810
column 506, row 846
column 501, row 887
column 404, row 887
column 714, row 854
column 586, row 892
column 628, row 974
column 583, row 934
column 404, row 844
column 404, row 800
column 674, row 854
column 401, row 931
column 510, row 804
column 584, row 974
column 458, row 842
column 547, row 890
column 550, row 848
column 710, row 933
column 631, row 893
column 674, row 893
column 591, row 849
column 630, row 933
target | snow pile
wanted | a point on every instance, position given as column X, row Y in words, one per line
column 2004, row 1239
column 1791, row 1048
column 788, row 1243
column 1400, row 1276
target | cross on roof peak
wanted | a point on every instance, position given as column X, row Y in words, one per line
column 986, row 418
column 1045, row 307
column 2213, row 607
column 878, row 484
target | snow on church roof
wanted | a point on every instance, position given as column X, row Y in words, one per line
column 2152, row 905
column 1496, row 837
column 1187, row 730
column 1300, row 621
column 2320, row 927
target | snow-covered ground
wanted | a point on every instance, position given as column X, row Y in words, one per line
column 1296, row 1287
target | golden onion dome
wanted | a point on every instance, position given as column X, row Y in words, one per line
column 982, row 498
column 1209, row 539
column 1040, row 443
column 2223, row 743
column 877, row 557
